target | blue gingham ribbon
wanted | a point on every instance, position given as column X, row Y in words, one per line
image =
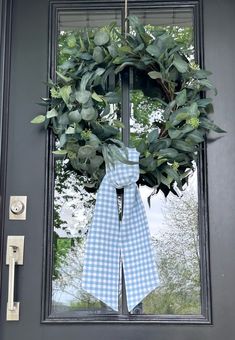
column 109, row 240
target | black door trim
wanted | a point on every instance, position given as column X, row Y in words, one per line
column 205, row 318
column 5, row 54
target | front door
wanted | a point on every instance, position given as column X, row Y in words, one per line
column 193, row 235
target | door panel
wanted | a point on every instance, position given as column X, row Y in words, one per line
column 26, row 174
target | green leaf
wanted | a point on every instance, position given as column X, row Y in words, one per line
column 195, row 136
column 181, row 97
column 63, row 119
column 117, row 155
column 172, row 173
column 99, row 71
column 160, row 144
column 122, row 66
column 63, row 140
column 96, row 161
column 70, row 130
column 71, row 41
column 94, row 141
column 206, row 83
column 209, row 125
column 193, row 109
column 39, row 119
column 83, row 96
column 168, row 152
column 183, row 146
column 64, row 78
column 101, row 38
column 140, row 47
column 134, row 21
column 118, row 60
column 148, row 163
column 47, row 100
column 89, row 114
column 112, row 97
column 112, row 50
column 52, row 113
column 96, row 97
column 65, row 92
column 60, row 152
column 153, row 50
column 175, row 133
column 153, row 136
column 75, row 116
column 200, row 74
column 182, row 116
column 125, row 49
column 166, row 180
column 161, row 161
column 204, row 102
column 68, row 64
column 85, row 56
column 187, row 128
column 86, row 151
column 117, row 123
column 85, row 78
column 141, row 146
column 180, row 64
column 98, row 54
column 155, row 75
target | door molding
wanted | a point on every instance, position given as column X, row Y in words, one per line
column 55, row 7
column 5, row 60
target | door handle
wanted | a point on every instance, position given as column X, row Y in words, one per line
column 15, row 254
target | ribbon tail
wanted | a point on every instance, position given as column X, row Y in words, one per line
column 102, row 254
column 140, row 270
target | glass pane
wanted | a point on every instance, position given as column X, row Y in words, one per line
column 173, row 221
column 73, row 205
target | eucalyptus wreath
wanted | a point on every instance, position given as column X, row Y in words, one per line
column 83, row 109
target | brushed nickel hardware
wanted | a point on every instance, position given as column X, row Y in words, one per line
column 14, row 256
column 17, row 207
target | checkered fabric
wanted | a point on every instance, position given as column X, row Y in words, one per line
column 109, row 239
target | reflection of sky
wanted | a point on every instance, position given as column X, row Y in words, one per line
column 76, row 214
column 158, row 202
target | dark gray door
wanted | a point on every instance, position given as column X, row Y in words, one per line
column 27, row 56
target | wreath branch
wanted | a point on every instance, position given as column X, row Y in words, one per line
column 81, row 111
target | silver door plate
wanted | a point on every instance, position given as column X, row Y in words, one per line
column 18, row 242
column 17, row 207
column 13, row 315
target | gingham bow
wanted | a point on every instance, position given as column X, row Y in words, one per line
column 109, row 240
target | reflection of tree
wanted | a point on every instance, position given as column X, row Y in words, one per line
column 145, row 108
column 177, row 251
column 69, row 280
column 73, row 207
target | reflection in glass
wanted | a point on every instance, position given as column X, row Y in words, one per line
column 73, row 204
column 174, row 230
column 73, row 207
column 173, row 221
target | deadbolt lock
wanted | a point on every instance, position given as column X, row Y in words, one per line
column 17, row 209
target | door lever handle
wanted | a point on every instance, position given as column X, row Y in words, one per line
column 15, row 252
